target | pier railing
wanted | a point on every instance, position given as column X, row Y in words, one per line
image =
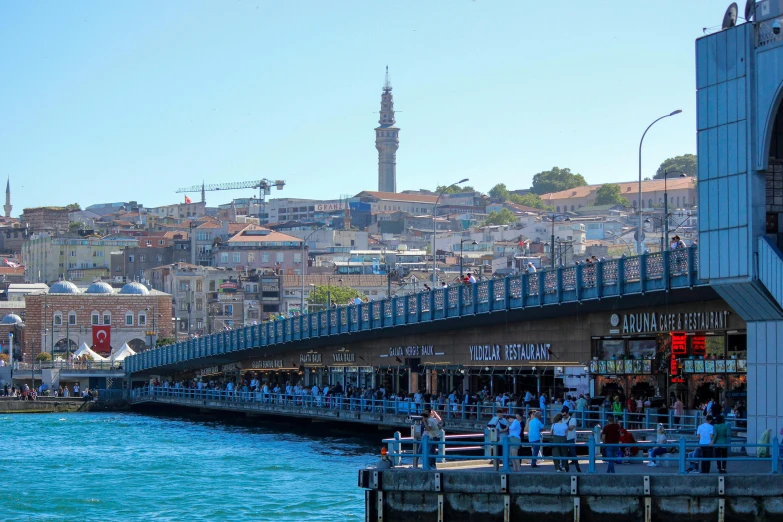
column 682, row 454
column 610, row 278
column 68, row 365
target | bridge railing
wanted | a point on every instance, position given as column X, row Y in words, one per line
column 683, row 454
column 68, row 365
column 615, row 277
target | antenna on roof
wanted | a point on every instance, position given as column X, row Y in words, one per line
column 730, row 18
column 750, row 10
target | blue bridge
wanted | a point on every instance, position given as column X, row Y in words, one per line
column 652, row 273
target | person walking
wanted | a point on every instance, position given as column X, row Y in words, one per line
column 706, row 433
column 611, row 435
column 534, row 427
column 571, row 422
column 515, row 440
column 559, row 452
column 721, row 442
column 542, row 404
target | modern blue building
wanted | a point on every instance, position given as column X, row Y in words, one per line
column 739, row 84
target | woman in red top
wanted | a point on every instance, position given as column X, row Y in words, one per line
column 626, row 437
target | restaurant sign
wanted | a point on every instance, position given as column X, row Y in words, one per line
column 655, row 323
column 344, row 357
column 511, row 352
column 310, row 358
column 411, row 351
column 267, row 364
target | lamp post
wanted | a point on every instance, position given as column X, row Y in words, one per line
column 304, row 268
column 639, row 239
column 666, row 206
column 435, row 230
column 461, row 242
column 553, row 217
column 329, row 290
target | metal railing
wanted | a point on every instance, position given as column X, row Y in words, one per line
column 611, row 278
column 683, row 454
column 68, row 365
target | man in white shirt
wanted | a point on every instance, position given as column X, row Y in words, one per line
column 571, row 439
column 515, row 440
column 431, row 422
column 471, row 278
column 531, row 268
column 706, row 433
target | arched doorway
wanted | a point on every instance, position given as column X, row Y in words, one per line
column 64, row 347
column 137, row 345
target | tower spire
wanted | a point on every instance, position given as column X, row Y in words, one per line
column 387, row 141
column 7, row 207
column 203, row 197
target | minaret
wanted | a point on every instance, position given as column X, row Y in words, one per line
column 387, row 141
column 7, row 207
column 203, row 198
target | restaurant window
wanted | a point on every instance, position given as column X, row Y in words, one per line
column 609, row 348
column 642, row 348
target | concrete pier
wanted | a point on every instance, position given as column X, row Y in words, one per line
column 411, row 496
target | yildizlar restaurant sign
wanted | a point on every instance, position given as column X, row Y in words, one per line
column 511, row 352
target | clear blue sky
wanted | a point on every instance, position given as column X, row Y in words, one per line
column 117, row 101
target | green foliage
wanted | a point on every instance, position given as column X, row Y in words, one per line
column 43, row 357
column 685, row 163
column 555, row 180
column 610, row 194
column 163, row 341
column 500, row 192
column 454, row 189
column 340, row 294
column 504, row 217
column 530, row 200
column 73, row 207
column 75, row 226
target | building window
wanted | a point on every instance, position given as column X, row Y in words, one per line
column 298, row 257
column 183, row 306
column 199, row 304
column 237, row 257
column 72, row 318
column 128, row 319
column 159, row 257
column 95, row 318
column 160, row 242
column 211, row 286
column 199, row 286
column 251, row 257
column 280, row 257
column 224, row 257
column 141, row 258
column 264, row 257
column 106, row 318
column 130, row 258
column 148, row 242
column 58, row 319
column 229, row 310
column 184, row 286
column 142, row 319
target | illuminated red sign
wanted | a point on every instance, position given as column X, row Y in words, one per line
column 678, row 380
column 699, row 344
column 679, row 344
column 673, row 366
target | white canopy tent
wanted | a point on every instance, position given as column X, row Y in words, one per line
column 86, row 350
column 122, row 353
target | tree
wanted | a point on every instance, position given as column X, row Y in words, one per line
column 453, row 189
column 529, row 200
column 685, row 163
column 499, row 192
column 73, row 207
column 164, row 341
column 556, row 180
column 610, row 194
column 340, row 295
column 504, row 217
column 43, row 357
column 75, row 226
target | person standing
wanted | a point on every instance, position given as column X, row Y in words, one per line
column 542, row 405
column 581, row 409
column 721, row 442
column 706, row 433
column 431, row 423
column 559, row 452
column 679, row 411
column 571, row 421
column 534, row 427
column 515, row 440
column 611, row 435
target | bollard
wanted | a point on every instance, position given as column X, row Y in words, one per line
column 493, row 448
column 591, row 455
column 397, row 449
column 625, row 418
column 775, row 454
column 487, row 452
column 683, row 455
column 506, row 457
column 671, row 418
column 647, row 418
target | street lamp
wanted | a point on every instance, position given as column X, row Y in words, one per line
column 639, row 239
column 553, row 217
column 304, row 268
column 435, row 230
column 461, row 242
column 329, row 290
column 666, row 205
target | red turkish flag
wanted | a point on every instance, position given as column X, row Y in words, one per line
column 188, row 201
column 101, row 339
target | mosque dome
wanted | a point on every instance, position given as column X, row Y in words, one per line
column 11, row 319
column 134, row 288
column 63, row 287
column 99, row 287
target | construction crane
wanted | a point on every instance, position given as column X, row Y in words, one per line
column 264, row 187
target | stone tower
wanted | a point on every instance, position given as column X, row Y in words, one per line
column 387, row 141
column 7, row 207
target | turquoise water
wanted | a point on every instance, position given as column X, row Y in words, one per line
column 103, row 466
